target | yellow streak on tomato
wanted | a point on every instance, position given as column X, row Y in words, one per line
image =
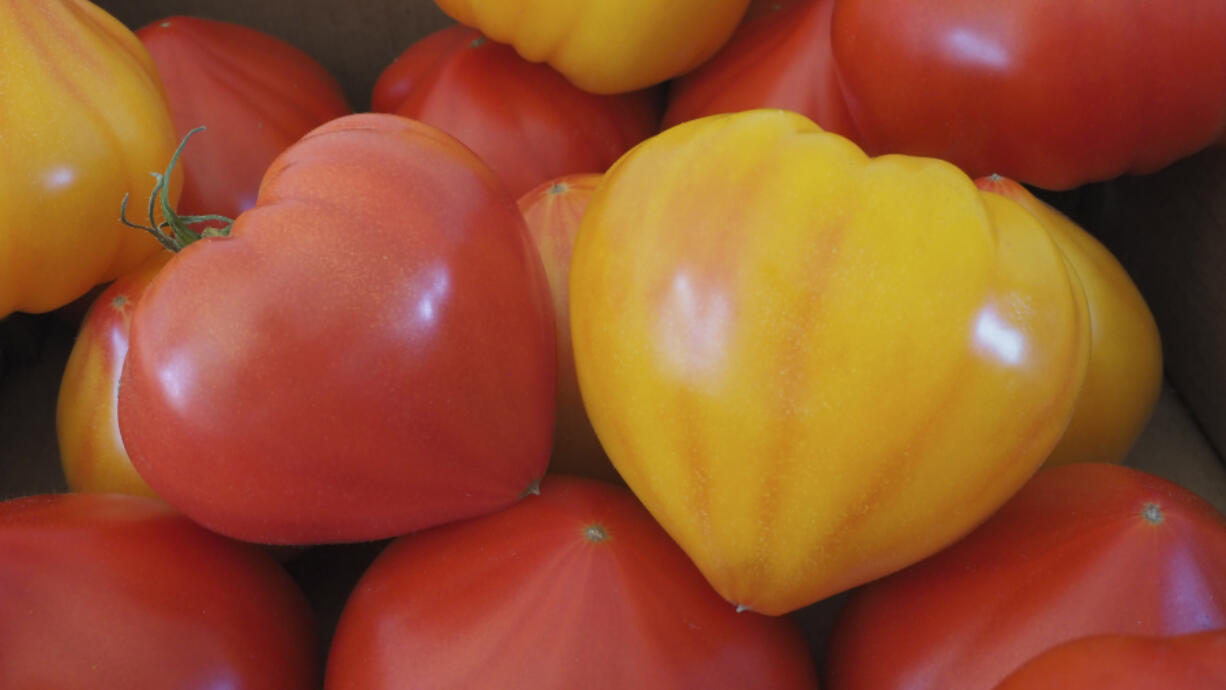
column 83, row 120
column 1124, row 376
column 92, row 453
column 606, row 46
column 814, row 368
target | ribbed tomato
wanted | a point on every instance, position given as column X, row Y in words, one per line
column 523, row 118
column 575, row 588
column 814, row 367
column 371, row 350
column 1083, row 549
column 606, row 46
column 83, row 121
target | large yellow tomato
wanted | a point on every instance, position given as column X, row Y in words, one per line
column 83, row 120
column 1124, row 377
column 815, row 368
column 606, row 46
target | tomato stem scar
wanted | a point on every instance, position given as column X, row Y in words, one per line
column 534, row 489
column 1152, row 512
column 595, row 533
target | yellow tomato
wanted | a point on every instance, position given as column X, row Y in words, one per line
column 815, row 368
column 1124, row 376
column 83, row 120
column 87, row 425
column 606, row 46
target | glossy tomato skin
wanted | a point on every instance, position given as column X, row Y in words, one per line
column 87, row 422
column 1083, row 549
column 800, row 359
column 779, row 58
column 1124, row 376
column 575, row 588
column 553, row 212
column 85, row 122
column 255, row 94
column 113, row 591
column 606, row 46
column 1048, row 92
column 374, row 352
column 522, row 118
column 1128, row 662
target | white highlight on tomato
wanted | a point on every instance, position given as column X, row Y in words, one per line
column 999, row 338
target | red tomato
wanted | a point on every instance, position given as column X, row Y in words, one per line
column 553, row 211
column 779, row 57
column 87, row 426
column 1128, row 662
column 1083, row 549
column 575, row 588
column 1053, row 93
column 112, row 591
column 523, row 118
column 256, row 94
column 370, row 352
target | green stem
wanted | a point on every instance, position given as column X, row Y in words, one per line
column 180, row 232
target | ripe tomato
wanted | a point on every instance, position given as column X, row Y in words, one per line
column 87, row 424
column 575, row 588
column 1053, row 93
column 553, row 211
column 523, row 118
column 815, row 368
column 371, row 351
column 84, row 122
column 1124, row 376
column 255, row 93
column 780, row 58
column 112, row 591
column 606, row 46
column 1128, row 662
column 1083, row 549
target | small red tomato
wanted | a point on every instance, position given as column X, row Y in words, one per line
column 780, row 57
column 575, row 588
column 553, row 211
column 113, row 591
column 256, row 95
column 371, row 350
column 1082, row 549
column 1127, row 662
column 523, row 118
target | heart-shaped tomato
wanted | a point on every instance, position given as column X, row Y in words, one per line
column 371, row 350
column 812, row 367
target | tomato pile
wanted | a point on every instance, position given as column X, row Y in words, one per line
column 623, row 334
